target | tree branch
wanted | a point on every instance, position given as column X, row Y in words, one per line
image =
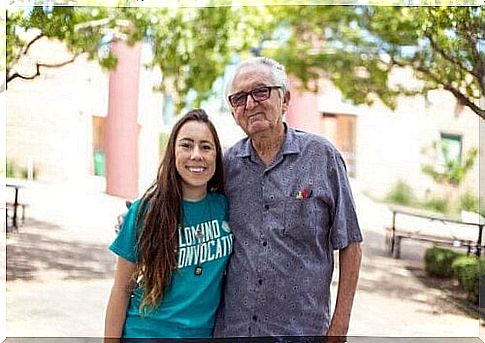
column 479, row 61
column 29, row 45
column 37, row 68
column 26, row 49
column 464, row 100
column 449, row 58
column 60, row 64
column 458, row 95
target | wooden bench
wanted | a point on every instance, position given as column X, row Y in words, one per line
column 12, row 209
column 441, row 231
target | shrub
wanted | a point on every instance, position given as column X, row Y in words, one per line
column 461, row 265
column 16, row 171
column 438, row 261
column 11, row 169
column 469, row 202
column 468, row 270
column 401, row 194
column 437, row 204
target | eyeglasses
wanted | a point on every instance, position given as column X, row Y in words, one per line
column 258, row 94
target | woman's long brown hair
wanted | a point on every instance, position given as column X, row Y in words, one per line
column 160, row 215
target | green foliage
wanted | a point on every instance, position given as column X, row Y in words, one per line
column 401, row 193
column 437, row 204
column 10, row 169
column 453, row 172
column 16, row 171
column 61, row 23
column 357, row 46
column 354, row 46
column 191, row 45
column 438, row 261
column 468, row 269
column 469, row 202
column 441, row 262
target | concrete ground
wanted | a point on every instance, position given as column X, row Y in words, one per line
column 59, row 273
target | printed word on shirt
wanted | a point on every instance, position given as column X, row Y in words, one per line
column 203, row 243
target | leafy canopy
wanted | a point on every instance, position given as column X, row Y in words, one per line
column 356, row 47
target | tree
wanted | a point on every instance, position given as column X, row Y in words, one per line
column 357, row 47
column 25, row 27
column 191, row 46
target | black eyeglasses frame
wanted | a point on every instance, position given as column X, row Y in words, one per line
column 251, row 93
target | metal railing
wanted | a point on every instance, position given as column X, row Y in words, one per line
column 477, row 244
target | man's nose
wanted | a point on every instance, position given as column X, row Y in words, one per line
column 250, row 103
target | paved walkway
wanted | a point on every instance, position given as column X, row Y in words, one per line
column 59, row 272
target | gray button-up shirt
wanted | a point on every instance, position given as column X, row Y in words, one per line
column 286, row 219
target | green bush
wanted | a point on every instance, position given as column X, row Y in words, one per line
column 467, row 270
column 461, row 265
column 437, row 204
column 438, row 261
column 11, row 169
column 401, row 193
column 469, row 202
column 16, row 171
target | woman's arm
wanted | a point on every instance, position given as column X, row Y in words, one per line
column 119, row 298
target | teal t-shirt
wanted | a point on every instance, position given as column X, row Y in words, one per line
column 189, row 306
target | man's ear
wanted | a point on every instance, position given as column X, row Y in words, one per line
column 286, row 101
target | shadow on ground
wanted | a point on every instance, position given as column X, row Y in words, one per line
column 33, row 255
column 401, row 278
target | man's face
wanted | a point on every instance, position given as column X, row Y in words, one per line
column 256, row 117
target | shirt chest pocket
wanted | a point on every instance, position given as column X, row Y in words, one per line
column 300, row 218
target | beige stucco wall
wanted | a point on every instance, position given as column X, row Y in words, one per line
column 390, row 144
column 49, row 118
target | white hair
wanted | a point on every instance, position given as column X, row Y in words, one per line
column 277, row 72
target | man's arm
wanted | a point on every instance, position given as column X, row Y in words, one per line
column 349, row 265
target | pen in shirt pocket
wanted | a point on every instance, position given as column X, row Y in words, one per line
column 304, row 193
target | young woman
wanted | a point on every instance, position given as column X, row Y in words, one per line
column 174, row 243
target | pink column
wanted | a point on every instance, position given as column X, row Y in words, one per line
column 121, row 123
column 303, row 110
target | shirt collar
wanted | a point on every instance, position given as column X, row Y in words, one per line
column 290, row 145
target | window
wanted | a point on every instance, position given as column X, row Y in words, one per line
column 449, row 149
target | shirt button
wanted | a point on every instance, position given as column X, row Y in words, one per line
column 265, row 243
column 255, row 318
column 260, row 281
column 266, row 207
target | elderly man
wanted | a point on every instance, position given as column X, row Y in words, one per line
column 290, row 207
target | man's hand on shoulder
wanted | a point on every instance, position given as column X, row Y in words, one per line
column 121, row 218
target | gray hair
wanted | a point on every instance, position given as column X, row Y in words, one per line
column 277, row 72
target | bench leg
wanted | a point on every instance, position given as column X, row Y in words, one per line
column 397, row 248
column 388, row 243
column 23, row 214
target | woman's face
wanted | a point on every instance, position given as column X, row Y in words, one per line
column 195, row 158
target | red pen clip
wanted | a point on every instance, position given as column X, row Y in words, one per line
column 305, row 193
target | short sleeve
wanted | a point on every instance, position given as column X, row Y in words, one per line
column 124, row 244
column 345, row 227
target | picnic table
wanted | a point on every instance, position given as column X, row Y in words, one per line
column 13, row 207
column 435, row 229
